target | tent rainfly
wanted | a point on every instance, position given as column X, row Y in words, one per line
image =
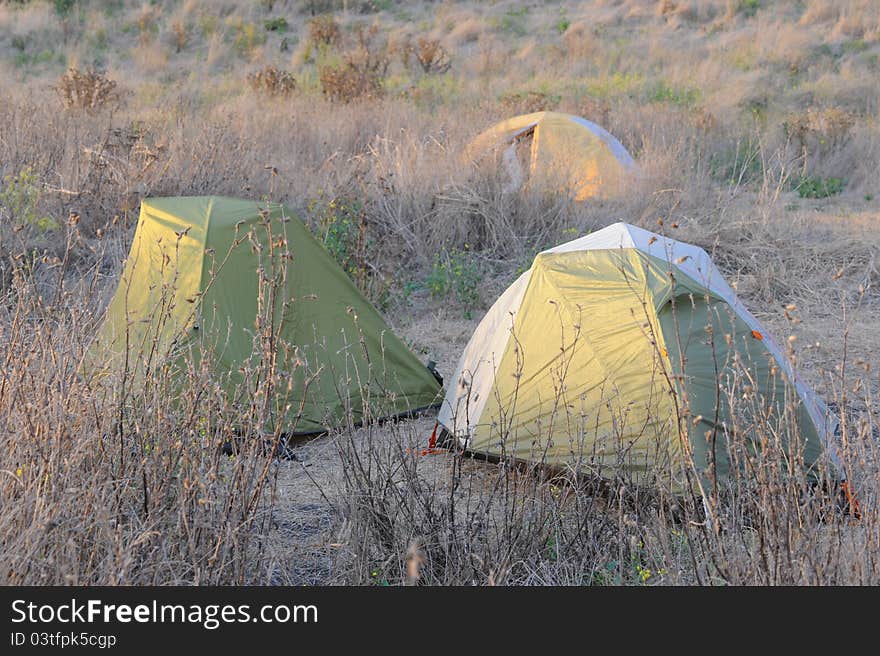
column 207, row 275
column 560, row 151
column 625, row 351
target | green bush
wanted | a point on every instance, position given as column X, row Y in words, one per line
column 455, row 272
column 276, row 24
column 749, row 7
column 20, row 199
column 738, row 164
column 341, row 226
column 664, row 92
column 63, row 7
column 814, row 187
column 247, row 37
column 562, row 23
column 512, row 22
column 615, row 85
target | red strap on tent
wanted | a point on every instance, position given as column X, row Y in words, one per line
column 432, row 444
column 851, row 500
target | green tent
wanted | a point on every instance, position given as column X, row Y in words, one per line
column 626, row 351
column 235, row 281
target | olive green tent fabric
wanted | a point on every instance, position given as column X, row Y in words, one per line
column 236, row 281
column 723, row 368
column 627, row 352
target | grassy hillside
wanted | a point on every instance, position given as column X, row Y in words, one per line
column 755, row 124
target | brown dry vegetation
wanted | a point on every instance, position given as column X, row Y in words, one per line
column 756, row 126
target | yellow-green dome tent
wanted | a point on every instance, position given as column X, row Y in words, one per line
column 626, row 351
column 192, row 286
column 559, row 151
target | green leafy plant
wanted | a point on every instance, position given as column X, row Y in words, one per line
column 749, row 7
column 512, row 22
column 20, row 198
column 739, row 164
column 276, row 24
column 615, row 85
column 815, row 187
column 377, row 579
column 63, row 7
column 408, row 289
column 563, row 23
column 455, row 272
column 341, row 226
column 375, row 6
column 247, row 38
column 631, row 570
column 665, row 92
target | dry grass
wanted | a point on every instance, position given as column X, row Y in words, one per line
column 727, row 110
column 114, row 484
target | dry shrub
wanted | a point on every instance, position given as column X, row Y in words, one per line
column 831, row 123
column 469, row 522
column 666, row 7
column 527, row 102
column 90, row 91
column 121, row 163
column 431, row 56
column 597, row 110
column 816, row 133
column 347, row 83
column 704, row 120
column 180, row 36
column 325, row 30
column 272, row 82
column 361, row 73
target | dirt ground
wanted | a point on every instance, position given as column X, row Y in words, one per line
column 307, row 522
